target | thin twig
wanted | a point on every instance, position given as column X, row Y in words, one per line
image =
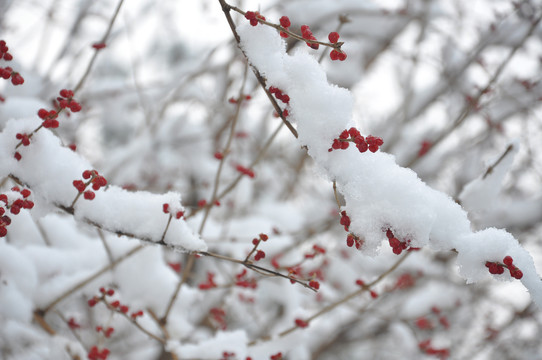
column 226, row 8
column 498, row 161
column 259, row 269
column 471, row 105
column 225, row 153
column 89, row 279
column 96, row 51
column 184, row 276
column 347, row 298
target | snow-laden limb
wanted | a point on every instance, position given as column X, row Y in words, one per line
column 379, row 194
column 49, row 169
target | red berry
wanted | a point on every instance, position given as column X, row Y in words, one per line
column 285, row 22
column 73, row 324
column 301, row 323
column 259, row 255
column 333, row 37
column 219, row 155
column 16, row 79
column 42, row 113
column 89, row 195
column 79, row 185
column 423, row 323
column 350, row 240
column 108, row 332
column 66, row 93
column 314, row 284
column 98, row 46
column 517, row 273
column 74, row 106
column 508, row 260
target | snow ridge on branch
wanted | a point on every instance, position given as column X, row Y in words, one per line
column 379, row 194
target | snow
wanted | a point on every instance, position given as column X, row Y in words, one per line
column 232, row 341
column 49, row 169
column 379, row 194
column 481, row 194
column 161, row 135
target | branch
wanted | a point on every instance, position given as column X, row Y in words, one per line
column 227, row 8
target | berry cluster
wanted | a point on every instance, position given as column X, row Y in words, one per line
column 245, row 171
column 168, row 209
column 242, row 280
column 7, row 72
column 397, row 245
column 301, row 323
column 404, row 281
column 426, row 347
column 317, row 250
column 285, row 23
column 218, row 316
column 107, row 331
column 253, row 17
column 371, row 143
column 4, row 51
column 96, row 354
column 113, row 305
column 277, row 356
column 93, row 178
column 210, row 282
column 345, row 220
column 361, row 284
column 49, row 118
column 65, row 100
column 259, row 253
column 308, row 35
column 19, row 200
column 336, row 54
column 73, row 324
column 279, row 95
column 228, row 355
column 25, row 138
column 497, row 268
column 353, row 240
